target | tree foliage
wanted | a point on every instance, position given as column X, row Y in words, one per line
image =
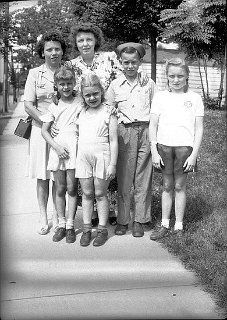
column 200, row 29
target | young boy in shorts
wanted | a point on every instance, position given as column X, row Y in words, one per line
column 134, row 167
column 176, row 129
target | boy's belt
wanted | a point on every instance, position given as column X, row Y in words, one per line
column 136, row 124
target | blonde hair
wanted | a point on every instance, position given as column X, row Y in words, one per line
column 65, row 73
column 91, row 80
column 178, row 62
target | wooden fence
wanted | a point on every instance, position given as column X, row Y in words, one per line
column 214, row 76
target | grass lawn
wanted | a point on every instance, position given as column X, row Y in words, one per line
column 203, row 246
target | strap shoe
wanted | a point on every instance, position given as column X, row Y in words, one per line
column 85, row 239
column 101, row 238
column 160, row 233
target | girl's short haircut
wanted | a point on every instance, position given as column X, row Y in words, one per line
column 64, row 73
column 91, row 80
column 87, row 28
column 178, row 62
column 50, row 36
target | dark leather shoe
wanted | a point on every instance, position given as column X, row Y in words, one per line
column 137, row 229
column 59, row 234
column 147, row 226
column 121, row 229
column 160, row 233
column 101, row 238
column 85, row 239
column 70, row 235
column 113, row 221
column 94, row 222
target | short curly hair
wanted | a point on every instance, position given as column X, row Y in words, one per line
column 87, row 27
column 50, row 36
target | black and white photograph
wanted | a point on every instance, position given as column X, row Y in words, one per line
column 113, row 159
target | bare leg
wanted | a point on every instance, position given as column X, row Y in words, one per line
column 87, row 186
column 42, row 196
column 55, row 214
column 101, row 186
column 60, row 182
column 72, row 185
column 180, row 197
column 167, row 195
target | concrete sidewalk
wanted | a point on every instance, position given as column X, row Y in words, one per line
column 127, row 278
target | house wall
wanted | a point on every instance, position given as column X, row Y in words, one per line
column 214, row 76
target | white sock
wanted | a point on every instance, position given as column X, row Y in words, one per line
column 69, row 224
column 165, row 223
column 62, row 222
column 178, row 225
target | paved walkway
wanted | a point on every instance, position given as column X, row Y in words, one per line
column 127, row 278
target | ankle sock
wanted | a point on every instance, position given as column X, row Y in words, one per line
column 165, row 223
column 87, row 227
column 70, row 224
column 100, row 227
column 178, row 225
column 62, row 222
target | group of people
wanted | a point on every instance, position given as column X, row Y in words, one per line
column 98, row 116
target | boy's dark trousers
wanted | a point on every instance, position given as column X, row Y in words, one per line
column 134, row 168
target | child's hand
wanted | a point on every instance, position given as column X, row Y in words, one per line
column 189, row 164
column 55, row 99
column 157, row 161
column 143, row 78
column 62, row 152
column 54, row 130
column 110, row 172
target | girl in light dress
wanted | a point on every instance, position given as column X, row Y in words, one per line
column 97, row 156
column 176, row 130
column 63, row 150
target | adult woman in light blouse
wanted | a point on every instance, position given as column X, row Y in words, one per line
column 87, row 39
column 39, row 89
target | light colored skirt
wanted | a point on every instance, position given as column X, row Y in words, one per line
column 67, row 139
column 38, row 154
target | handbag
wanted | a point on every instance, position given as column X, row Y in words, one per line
column 24, row 127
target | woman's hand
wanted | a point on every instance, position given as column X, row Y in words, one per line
column 54, row 130
column 110, row 172
column 62, row 152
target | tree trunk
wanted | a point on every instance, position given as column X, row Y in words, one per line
column 206, row 75
column 153, row 42
column 201, row 78
column 220, row 91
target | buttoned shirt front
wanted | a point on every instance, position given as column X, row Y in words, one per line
column 133, row 101
column 39, row 88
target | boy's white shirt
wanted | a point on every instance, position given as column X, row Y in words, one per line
column 177, row 113
column 132, row 100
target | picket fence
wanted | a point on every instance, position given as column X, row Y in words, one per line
column 214, row 76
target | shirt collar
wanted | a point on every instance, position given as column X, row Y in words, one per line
column 123, row 80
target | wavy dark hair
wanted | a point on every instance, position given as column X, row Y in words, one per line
column 87, row 27
column 50, row 36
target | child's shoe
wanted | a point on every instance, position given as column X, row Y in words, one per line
column 59, row 234
column 85, row 239
column 70, row 235
column 101, row 238
column 159, row 233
